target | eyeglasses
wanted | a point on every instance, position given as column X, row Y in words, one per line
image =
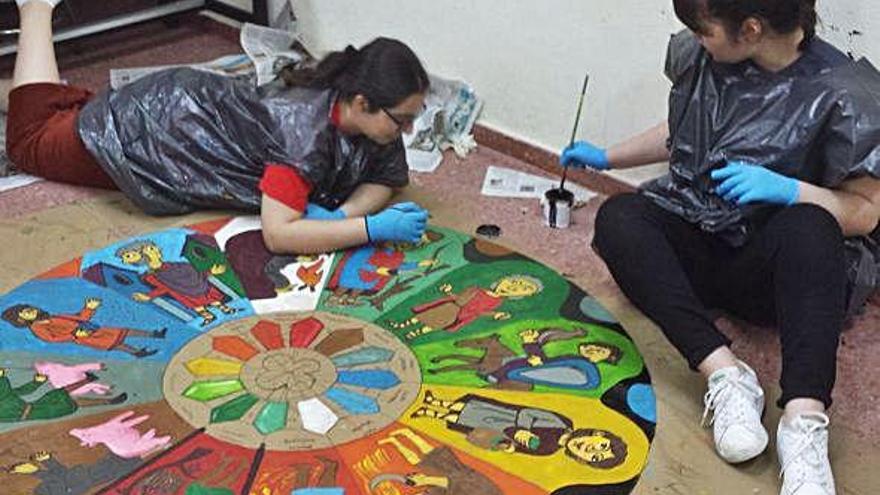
column 402, row 122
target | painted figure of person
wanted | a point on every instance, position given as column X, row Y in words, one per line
column 58, row 479
column 572, row 371
column 366, row 271
column 455, row 310
column 435, row 470
column 53, row 404
column 501, row 426
column 79, row 329
column 178, row 280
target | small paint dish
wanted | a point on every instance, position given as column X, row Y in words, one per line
column 489, row 230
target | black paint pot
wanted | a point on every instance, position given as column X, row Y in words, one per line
column 557, row 205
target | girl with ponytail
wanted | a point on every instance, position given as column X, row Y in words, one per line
column 318, row 157
column 769, row 211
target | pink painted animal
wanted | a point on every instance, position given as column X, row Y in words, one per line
column 62, row 375
column 120, row 436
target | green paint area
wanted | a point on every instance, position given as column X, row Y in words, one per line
column 199, row 489
column 203, row 256
column 271, row 418
column 469, row 295
column 372, row 279
column 470, row 359
column 234, row 409
column 207, row 391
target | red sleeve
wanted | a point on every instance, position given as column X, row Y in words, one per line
column 282, row 183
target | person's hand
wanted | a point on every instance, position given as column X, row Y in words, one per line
column 403, row 222
column 527, row 439
column 582, row 154
column 742, row 183
column 93, row 303
column 529, row 336
column 140, row 297
column 318, row 212
column 218, row 269
column 81, row 333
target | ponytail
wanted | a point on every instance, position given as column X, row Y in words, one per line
column 324, row 73
column 809, row 19
column 384, row 71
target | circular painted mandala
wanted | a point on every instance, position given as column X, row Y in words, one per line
column 292, row 381
column 194, row 361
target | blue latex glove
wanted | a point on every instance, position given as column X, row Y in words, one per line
column 742, row 183
column 583, row 154
column 403, row 222
column 318, row 212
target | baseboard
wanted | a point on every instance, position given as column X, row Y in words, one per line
column 548, row 161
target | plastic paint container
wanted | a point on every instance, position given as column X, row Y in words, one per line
column 557, row 205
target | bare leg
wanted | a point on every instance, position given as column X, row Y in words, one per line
column 796, row 407
column 35, row 61
column 722, row 357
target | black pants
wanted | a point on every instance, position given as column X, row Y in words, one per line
column 791, row 273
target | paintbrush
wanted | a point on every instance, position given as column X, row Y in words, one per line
column 577, row 120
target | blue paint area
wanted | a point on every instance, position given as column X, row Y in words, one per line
column 170, row 242
column 66, row 298
column 571, row 373
column 640, row 399
column 367, row 355
column 105, row 267
column 318, row 491
column 593, row 309
column 353, row 402
column 350, row 274
column 358, row 270
column 378, row 379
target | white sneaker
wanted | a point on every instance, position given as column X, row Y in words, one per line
column 803, row 455
column 737, row 401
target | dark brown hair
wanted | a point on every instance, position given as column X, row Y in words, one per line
column 384, row 71
column 618, row 448
column 10, row 314
column 782, row 16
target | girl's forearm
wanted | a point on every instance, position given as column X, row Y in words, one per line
column 642, row 149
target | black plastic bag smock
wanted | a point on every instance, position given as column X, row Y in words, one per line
column 817, row 120
column 183, row 139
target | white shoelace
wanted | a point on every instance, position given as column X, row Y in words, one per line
column 723, row 400
column 797, row 464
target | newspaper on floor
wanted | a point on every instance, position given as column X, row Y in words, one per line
column 269, row 49
column 266, row 51
column 17, row 180
column 9, row 177
column 509, row 183
column 238, row 65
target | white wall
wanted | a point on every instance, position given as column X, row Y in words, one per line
column 527, row 58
